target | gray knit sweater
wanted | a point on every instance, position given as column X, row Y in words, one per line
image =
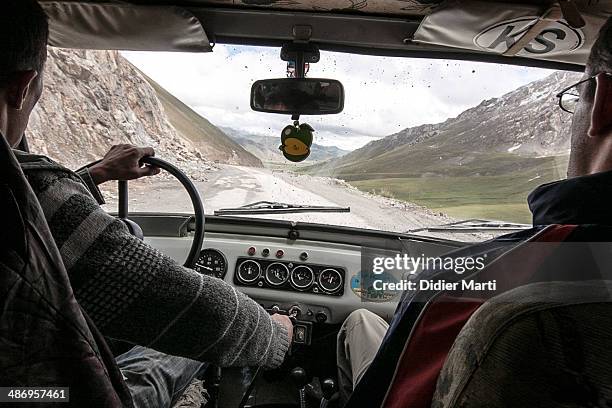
column 134, row 293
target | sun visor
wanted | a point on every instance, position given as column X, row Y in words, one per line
column 522, row 30
column 124, row 27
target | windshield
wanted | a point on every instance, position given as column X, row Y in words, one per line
column 428, row 146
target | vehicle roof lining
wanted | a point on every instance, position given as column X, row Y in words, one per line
column 121, row 26
column 357, row 7
column 450, row 54
column 378, row 36
column 419, row 28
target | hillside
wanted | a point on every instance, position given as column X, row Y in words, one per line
column 266, row 147
column 206, row 137
column 482, row 163
column 95, row 99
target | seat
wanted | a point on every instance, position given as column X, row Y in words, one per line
column 545, row 344
column 46, row 340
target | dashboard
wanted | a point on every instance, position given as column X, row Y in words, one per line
column 274, row 272
column 310, row 272
column 312, row 277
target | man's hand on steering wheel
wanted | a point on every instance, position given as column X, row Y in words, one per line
column 122, row 162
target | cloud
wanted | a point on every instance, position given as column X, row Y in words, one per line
column 383, row 94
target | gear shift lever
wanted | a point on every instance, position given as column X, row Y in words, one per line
column 298, row 375
column 328, row 388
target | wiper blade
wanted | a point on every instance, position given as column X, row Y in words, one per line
column 270, row 207
column 473, row 225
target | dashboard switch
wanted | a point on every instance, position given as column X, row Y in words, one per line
column 265, row 252
column 252, row 251
column 299, row 334
column 295, row 311
column 280, row 253
column 304, row 256
column 302, row 332
column 321, row 317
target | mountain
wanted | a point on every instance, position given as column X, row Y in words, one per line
column 206, row 137
column 95, row 99
column 481, row 163
column 526, row 122
column 266, row 147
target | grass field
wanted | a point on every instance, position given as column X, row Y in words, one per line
column 458, row 197
column 491, row 197
column 498, row 197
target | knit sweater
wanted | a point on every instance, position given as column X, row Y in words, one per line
column 134, row 293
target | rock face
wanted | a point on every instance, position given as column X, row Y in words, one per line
column 95, row 99
column 210, row 140
column 526, row 121
column 525, row 124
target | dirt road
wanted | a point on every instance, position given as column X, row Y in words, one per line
column 233, row 186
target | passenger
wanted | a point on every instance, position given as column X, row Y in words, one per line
column 366, row 341
column 131, row 291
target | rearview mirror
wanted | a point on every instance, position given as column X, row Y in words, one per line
column 298, row 96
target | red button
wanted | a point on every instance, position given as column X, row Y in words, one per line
column 252, row 251
column 280, row 253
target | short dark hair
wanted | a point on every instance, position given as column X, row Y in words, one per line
column 24, row 31
column 600, row 59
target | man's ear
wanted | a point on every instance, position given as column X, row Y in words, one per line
column 601, row 115
column 18, row 89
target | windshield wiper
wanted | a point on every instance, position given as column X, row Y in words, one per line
column 473, row 225
column 270, row 207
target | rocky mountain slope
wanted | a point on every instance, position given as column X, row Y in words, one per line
column 266, row 147
column 210, row 140
column 94, row 99
column 518, row 127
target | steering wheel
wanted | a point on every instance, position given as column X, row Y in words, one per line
column 194, row 195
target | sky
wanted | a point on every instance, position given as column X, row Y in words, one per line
column 383, row 94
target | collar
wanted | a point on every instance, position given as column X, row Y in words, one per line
column 579, row 200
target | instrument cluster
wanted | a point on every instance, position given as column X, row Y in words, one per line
column 292, row 276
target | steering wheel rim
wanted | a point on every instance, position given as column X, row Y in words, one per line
column 196, row 201
column 194, row 195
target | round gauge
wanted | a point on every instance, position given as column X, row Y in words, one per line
column 211, row 262
column 302, row 277
column 249, row 271
column 277, row 274
column 330, row 280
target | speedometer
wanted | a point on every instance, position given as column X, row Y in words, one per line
column 211, row 262
column 302, row 277
column 330, row 280
column 277, row 274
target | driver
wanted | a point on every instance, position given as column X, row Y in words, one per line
column 131, row 291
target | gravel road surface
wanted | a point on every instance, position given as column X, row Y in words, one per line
column 233, row 186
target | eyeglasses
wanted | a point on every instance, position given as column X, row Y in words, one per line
column 569, row 97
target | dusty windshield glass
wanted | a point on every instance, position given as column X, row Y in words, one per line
column 420, row 143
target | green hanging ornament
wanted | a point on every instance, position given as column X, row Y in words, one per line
column 296, row 140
